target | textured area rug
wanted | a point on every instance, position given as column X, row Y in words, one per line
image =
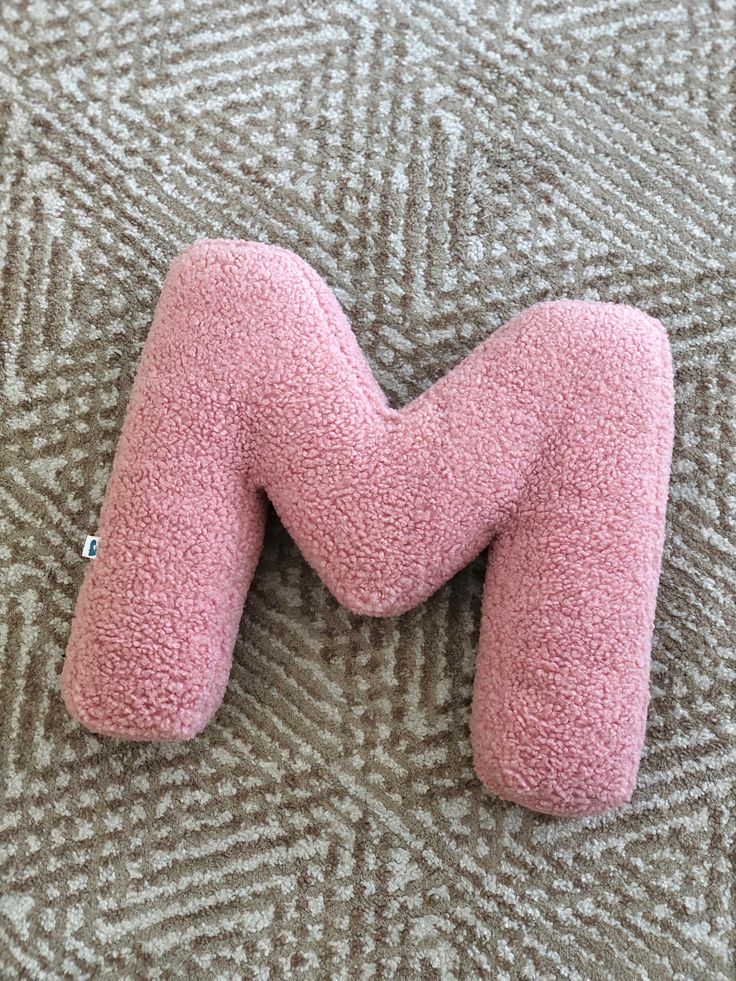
column 442, row 165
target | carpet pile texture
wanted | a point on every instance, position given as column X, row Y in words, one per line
column 442, row 166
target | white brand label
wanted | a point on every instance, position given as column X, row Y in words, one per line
column 91, row 544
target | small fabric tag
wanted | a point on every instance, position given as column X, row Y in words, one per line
column 91, row 544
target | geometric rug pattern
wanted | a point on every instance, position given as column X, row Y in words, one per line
column 442, row 165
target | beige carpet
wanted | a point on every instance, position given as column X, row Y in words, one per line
column 442, row 165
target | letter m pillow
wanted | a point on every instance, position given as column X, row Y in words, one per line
column 553, row 439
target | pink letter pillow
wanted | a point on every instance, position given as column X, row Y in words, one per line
column 553, row 439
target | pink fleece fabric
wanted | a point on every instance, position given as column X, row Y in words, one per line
column 553, row 438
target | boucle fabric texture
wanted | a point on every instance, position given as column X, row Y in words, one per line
column 442, row 166
column 554, row 437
